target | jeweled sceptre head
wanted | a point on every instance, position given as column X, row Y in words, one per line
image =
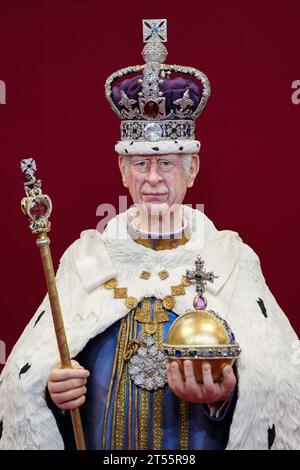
column 36, row 205
column 158, row 110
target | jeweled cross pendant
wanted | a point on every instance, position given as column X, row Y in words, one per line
column 199, row 276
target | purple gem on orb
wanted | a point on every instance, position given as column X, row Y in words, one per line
column 199, row 302
column 38, row 209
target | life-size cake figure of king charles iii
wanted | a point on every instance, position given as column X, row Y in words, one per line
column 123, row 292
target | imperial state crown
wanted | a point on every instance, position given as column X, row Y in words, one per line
column 158, row 103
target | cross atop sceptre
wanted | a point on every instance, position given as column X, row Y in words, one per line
column 200, row 276
column 154, row 30
column 28, row 166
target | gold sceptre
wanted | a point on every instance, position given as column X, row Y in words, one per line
column 38, row 207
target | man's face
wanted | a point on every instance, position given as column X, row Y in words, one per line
column 158, row 179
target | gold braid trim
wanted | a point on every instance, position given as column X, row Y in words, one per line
column 118, row 428
column 136, row 421
column 184, row 425
column 108, row 399
column 158, row 394
column 157, row 419
column 142, row 313
column 144, row 419
column 129, row 415
column 144, row 403
column 131, row 403
column 135, row 399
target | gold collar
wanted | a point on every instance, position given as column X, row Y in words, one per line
column 162, row 244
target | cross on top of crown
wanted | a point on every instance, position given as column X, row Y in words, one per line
column 154, row 30
column 199, row 276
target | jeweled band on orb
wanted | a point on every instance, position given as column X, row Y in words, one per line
column 202, row 352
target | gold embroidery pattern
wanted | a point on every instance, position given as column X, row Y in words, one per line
column 161, row 315
column 144, row 409
column 142, row 314
column 151, row 328
column 169, row 302
column 158, row 394
column 144, row 419
column 136, row 411
column 108, row 399
column 162, row 244
column 184, row 425
column 129, row 419
column 119, row 425
column 133, row 393
column 185, row 281
column 145, row 275
column 111, row 284
column 127, row 346
column 120, row 292
column 177, row 290
column 163, row 274
column 157, row 419
column 118, row 428
column 131, row 302
column 136, row 422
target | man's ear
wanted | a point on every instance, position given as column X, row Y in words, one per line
column 194, row 168
column 122, row 166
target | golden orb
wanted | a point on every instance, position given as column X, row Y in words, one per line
column 202, row 336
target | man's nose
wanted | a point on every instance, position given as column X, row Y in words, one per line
column 153, row 176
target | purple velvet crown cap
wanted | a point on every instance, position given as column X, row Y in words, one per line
column 172, row 88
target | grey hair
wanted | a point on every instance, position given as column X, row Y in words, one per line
column 186, row 162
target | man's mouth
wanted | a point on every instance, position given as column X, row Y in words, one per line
column 154, row 196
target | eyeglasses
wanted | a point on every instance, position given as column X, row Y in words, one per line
column 144, row 165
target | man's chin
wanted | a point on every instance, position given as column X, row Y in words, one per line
column 155, row 208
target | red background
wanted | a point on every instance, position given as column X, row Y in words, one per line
column 54, row 59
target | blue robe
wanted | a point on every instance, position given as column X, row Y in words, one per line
column 204, row 432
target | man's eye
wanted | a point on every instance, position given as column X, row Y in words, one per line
column 165, row 163
column 141, row 164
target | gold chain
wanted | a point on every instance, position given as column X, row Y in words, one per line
column 131, row 302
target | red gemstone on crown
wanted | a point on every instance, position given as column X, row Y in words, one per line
column 151, row 109
column 39, row 208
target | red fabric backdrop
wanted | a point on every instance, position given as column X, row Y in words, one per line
column 54, row 59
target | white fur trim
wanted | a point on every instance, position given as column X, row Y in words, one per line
column 130, row 147
column 94, row 266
